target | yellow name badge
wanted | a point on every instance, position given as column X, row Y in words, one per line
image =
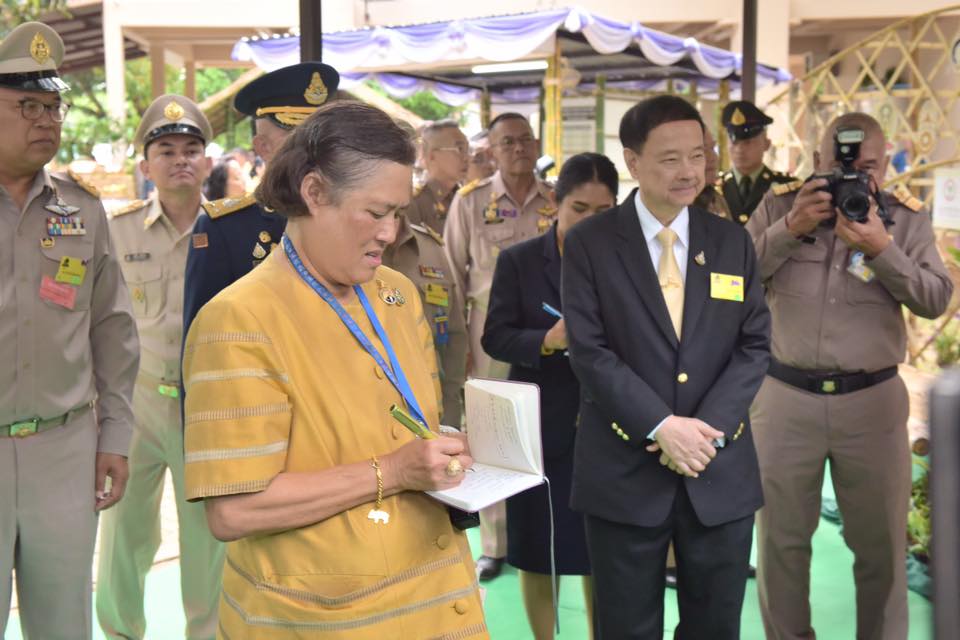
column 71, row 271
column 726, row 287
column 436, row 294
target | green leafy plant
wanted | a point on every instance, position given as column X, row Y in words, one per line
column 918, row 519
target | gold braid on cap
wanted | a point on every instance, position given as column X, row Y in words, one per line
column 291, row 116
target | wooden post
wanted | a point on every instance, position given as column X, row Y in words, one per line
column 190, row 79
column 158, row 80
column 311, row 31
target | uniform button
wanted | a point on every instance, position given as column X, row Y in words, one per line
column 443, row 541
column 614, row 426
column 683, row 377
column 378, row 371
column 833, row 300
column 26, row 365
column 461, row 606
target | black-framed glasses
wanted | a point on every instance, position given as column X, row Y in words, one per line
column 32, row 109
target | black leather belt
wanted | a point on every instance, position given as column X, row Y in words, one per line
column 828, row 382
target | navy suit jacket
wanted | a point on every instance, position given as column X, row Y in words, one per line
column 634, row 372
column 231, row 240
column 526, row 276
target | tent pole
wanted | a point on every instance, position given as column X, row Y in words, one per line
column 485, row 108
column 311, row 32
column 721, row 136
column 748, row 71
column 599, row 119
column 553, row 108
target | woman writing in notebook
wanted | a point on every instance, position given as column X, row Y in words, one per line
column 289, row 436
column 525, row 328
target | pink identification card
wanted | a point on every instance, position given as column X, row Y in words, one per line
column 63, row 295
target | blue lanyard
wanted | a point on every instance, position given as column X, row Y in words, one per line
column 393, row 371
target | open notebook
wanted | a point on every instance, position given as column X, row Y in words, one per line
column 503, row 429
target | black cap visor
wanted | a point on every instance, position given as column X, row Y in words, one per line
column 47, row 81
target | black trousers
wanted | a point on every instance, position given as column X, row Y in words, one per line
column 628, row 575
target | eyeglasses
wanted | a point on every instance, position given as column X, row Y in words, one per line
column 34, row 109
column 459, row 150
column 509, row 143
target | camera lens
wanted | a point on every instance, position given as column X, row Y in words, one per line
column 855, row 206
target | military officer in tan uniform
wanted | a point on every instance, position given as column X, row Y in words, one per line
column 151, row 238
column 69, row 349
column 445, row 154
column 485, row 218
column 836, row 289
column 744, row 186
column 418, row 254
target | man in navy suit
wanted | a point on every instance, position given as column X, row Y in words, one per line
column 669, row 336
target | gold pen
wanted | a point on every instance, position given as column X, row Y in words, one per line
column 407, row 420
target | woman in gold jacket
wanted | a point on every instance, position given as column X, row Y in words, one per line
column 291, row 373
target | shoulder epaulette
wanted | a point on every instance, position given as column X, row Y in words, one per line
column 428, row 230
column 905, row 197
column 218, row 208
column 83, row 184
column 786, row 187
column 136, row 205
column 781, row 177
column 468, row 188
column 417, row 189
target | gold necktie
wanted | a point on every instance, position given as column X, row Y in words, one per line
column 671, row 282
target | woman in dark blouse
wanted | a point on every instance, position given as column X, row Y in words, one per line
column 524, row 328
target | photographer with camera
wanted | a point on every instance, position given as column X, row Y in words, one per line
column 839, row 257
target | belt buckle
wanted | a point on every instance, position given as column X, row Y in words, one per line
column 168, row 390
column 24, row 429
column 828, row 386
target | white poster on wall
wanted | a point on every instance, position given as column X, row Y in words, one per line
column 946, row 198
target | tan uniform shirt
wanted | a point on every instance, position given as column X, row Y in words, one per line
column 418, row 254
column 484, row 220
column 430, row 206
column 153, row 256
column 56, row 359
column 826, row 318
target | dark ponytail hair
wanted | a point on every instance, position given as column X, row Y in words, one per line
column 583, row 168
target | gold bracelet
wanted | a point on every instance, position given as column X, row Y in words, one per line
column 377, row 514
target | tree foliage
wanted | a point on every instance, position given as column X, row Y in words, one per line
column 423, row 103
column 15, row 12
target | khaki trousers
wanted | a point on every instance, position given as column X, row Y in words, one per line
column 130, row 533
column 48, row 528
column 493, row 519
column 864, row 436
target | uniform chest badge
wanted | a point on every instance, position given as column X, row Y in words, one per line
column 390, row 295
column 65, row 226
column 61, row 208
column 259, row 252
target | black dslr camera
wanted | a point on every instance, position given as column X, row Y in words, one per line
column 849, row 187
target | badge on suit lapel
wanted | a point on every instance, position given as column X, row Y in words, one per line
column 700, row 259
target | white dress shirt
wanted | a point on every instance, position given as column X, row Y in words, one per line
column 651, row 227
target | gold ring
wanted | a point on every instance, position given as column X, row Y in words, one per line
column 454, row 467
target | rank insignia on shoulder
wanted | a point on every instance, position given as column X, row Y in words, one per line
column 905, row 197
column 468, row 188
column 200, row 241
column 83, row 184
column 786, row 187
column 136, row 205
column 224, row 206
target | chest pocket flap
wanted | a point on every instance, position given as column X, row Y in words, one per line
column 78, row 248
column 145, row 282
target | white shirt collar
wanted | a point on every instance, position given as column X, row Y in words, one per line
column 651, row 226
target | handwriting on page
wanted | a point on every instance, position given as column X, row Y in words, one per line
column 484, row 485
column 496, row 437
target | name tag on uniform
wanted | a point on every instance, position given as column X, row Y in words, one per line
column 62, row 295
column 726, row 287
column 859, row 269
column 136, row 257
column 436, row 294
column 71, row 271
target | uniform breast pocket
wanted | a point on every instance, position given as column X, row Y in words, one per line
column 803, row 273
column 145, row 282
column 496, row 237
column 73, row 249
column 860, row 292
